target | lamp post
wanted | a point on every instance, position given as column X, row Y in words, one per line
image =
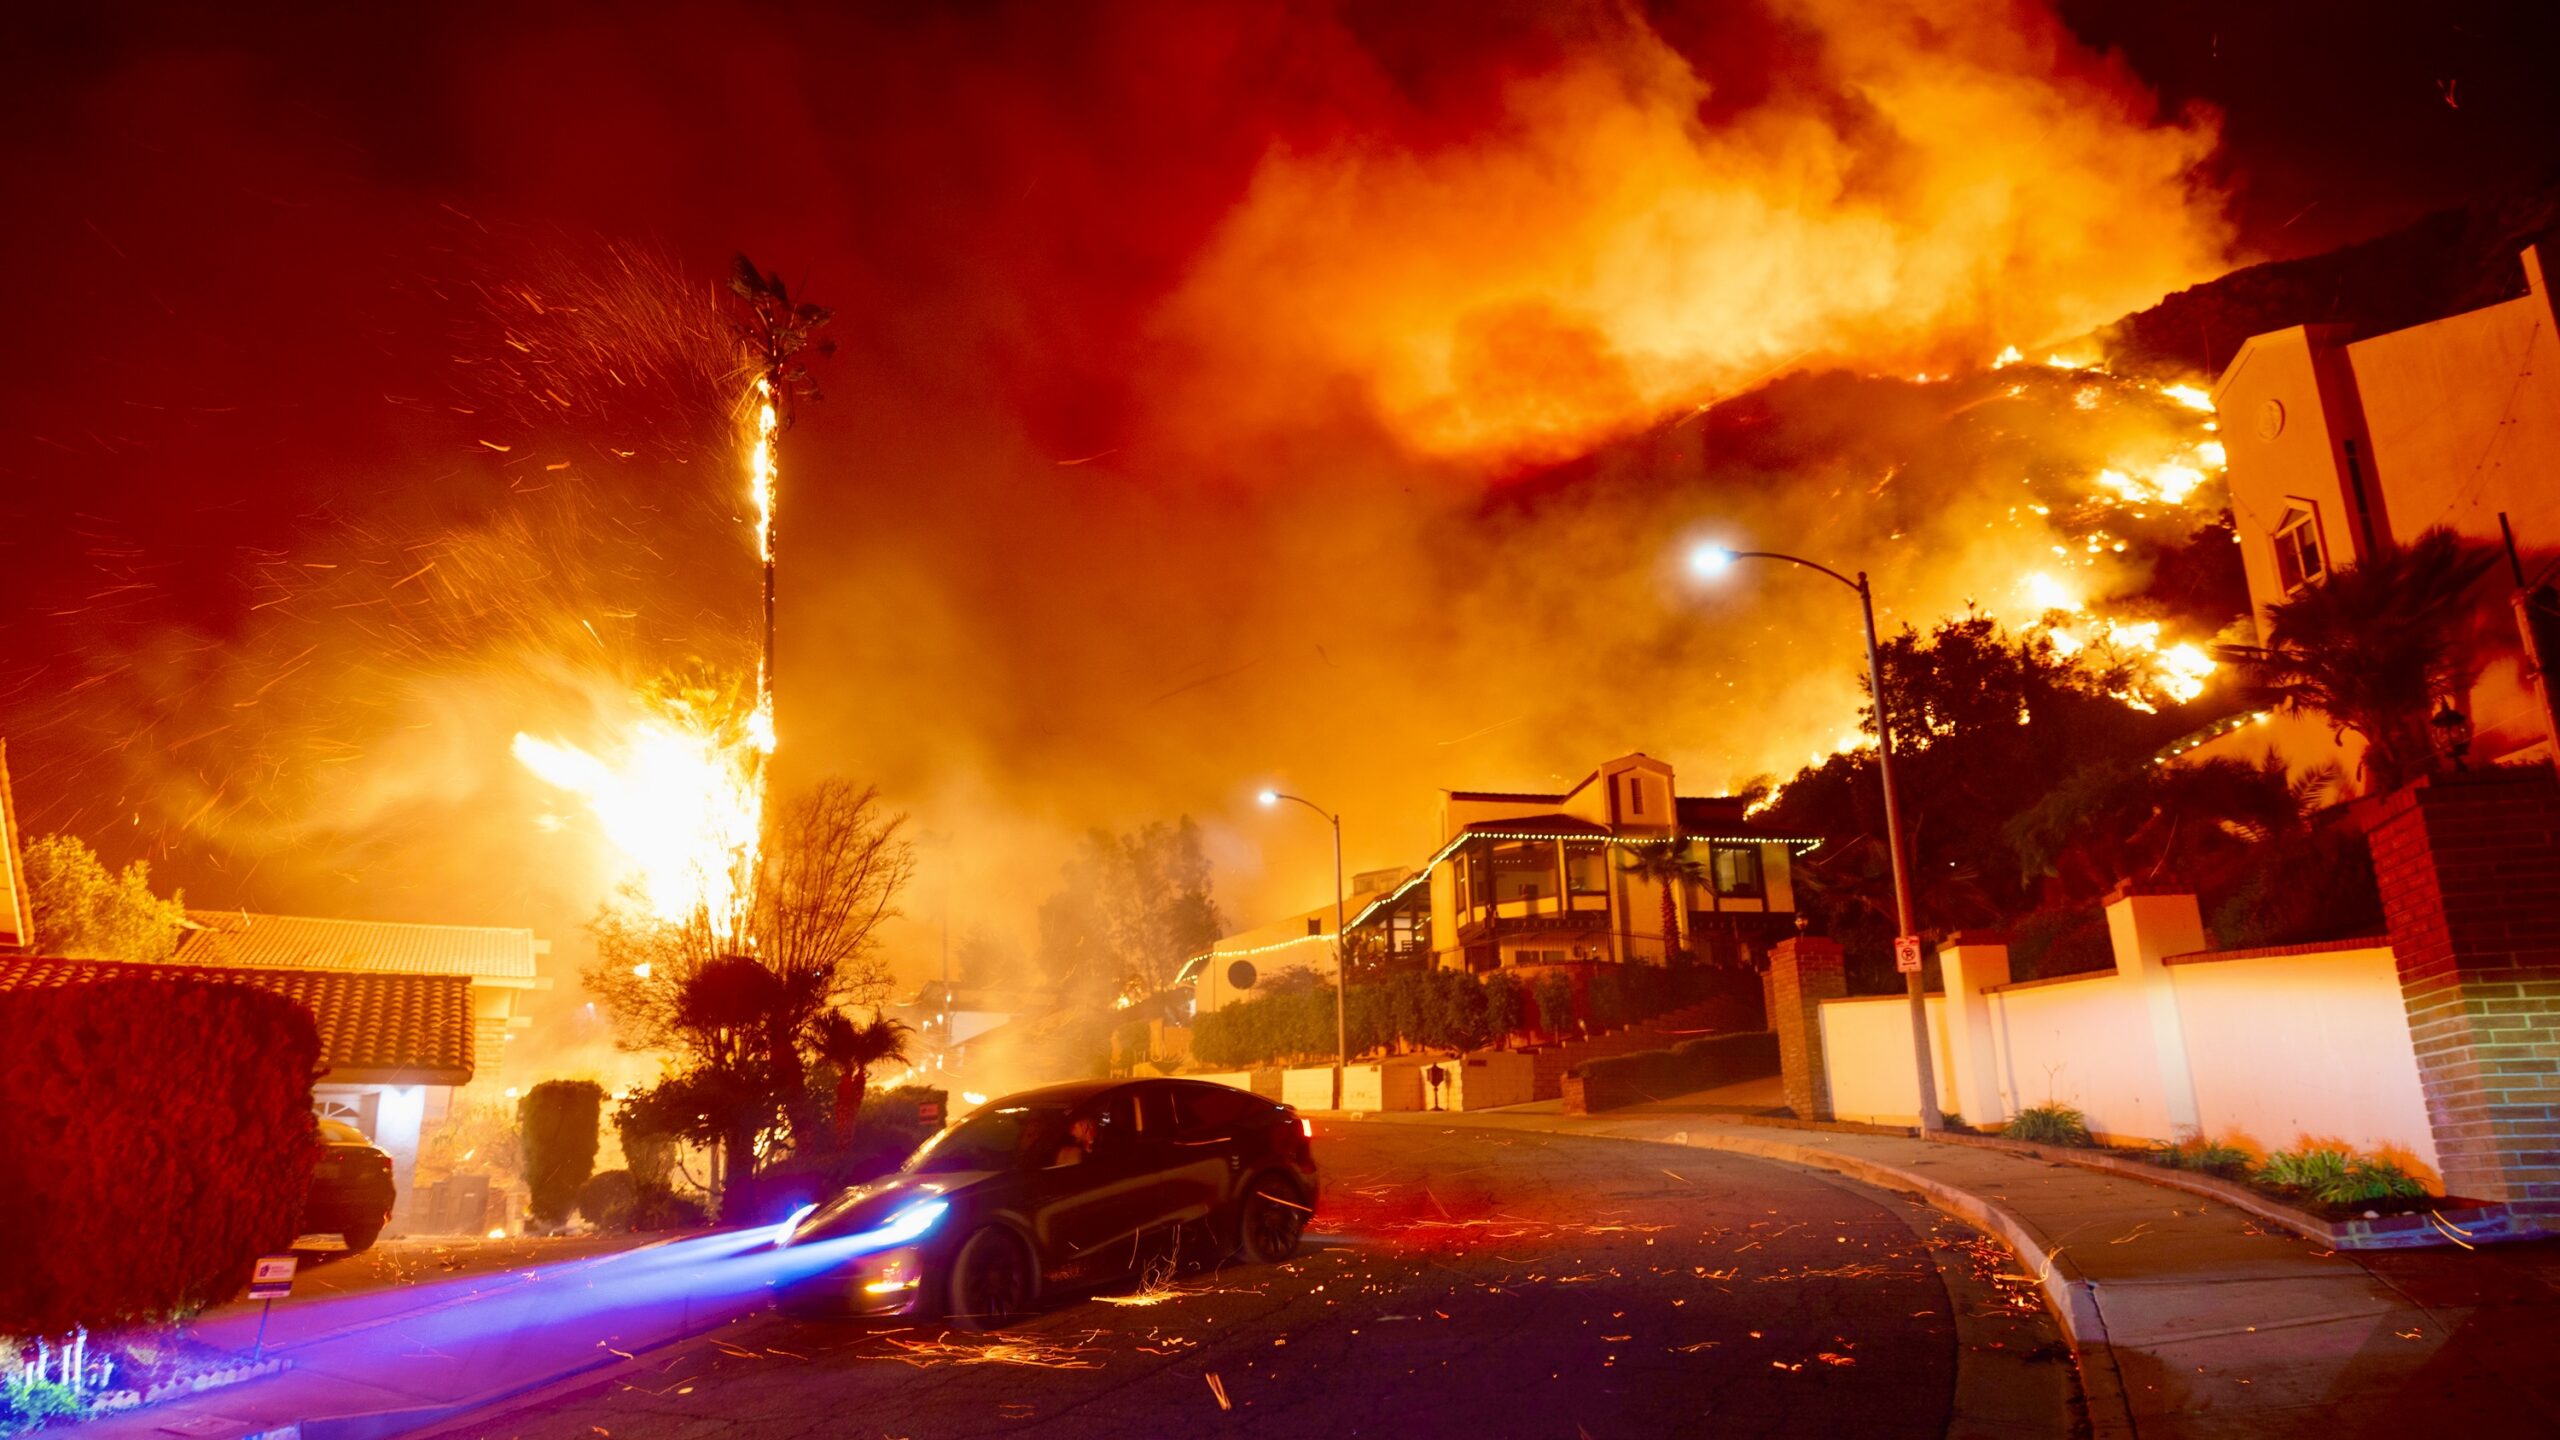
column 1341, row 949
column 1713, row 559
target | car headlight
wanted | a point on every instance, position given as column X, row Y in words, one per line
column 906, row 1225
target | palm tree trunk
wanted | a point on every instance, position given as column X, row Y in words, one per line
column 851, row 1118
column 1670, row 923
column 848, row 1106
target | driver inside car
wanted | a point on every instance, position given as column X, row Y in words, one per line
column 1082, row 1131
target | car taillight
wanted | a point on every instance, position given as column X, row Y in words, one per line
column 1306, row 1127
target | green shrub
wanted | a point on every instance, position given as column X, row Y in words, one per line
column 559, row 1122
column 27, row 1401
column 1554, row 996
column 2336, row 1177
column 2298, row 889
column 658, row 1208
column 2060, row 942
column 608, row 1199
column 2049, row 1125
column 1697, row 1064
column 158, row 1137
column 2210, row 1157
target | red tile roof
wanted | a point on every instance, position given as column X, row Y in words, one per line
column 397, row 1029
column 296, row 942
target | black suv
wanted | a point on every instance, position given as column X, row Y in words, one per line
column 1057, row 1188
column 351, row 1190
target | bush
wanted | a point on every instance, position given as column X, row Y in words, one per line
column 608, row 1200
column 2336, row 1177
column 2296, row 890
column 2211, row 1157
column 2049, row 1125
column 659, row 1208
column 2060, row 942
column 559, row 1122
column 1695, row 1064
column 27, row 1400
column 1554, row 998
column 161, row 1136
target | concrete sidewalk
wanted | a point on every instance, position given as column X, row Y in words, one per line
column 378, row 1360
column 2191, row 1318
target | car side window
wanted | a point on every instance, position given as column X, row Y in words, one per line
column 1212, row 1107
column 1115, row 1124
column 1155, row 1111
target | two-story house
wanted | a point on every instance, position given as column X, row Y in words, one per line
column 2341, row 447
column 1536, row 882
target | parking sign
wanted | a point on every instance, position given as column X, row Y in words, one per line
column 1906, row 954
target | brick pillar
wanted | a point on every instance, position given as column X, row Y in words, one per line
column 1803, row 973
column 2470, row 871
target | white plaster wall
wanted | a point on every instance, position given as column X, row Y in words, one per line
column 1309, row 1088
column 2085, row 1043
column 2285, row 1047
column 1866, row 1044
column 1490, row 1078
column 1392, row 1086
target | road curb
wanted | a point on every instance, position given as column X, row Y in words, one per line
column 2070, row 1295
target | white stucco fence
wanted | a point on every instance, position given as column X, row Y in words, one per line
column 2269, row 1049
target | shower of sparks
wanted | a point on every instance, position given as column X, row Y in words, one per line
column 683, row 800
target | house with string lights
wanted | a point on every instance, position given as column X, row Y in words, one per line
column 1549, row 882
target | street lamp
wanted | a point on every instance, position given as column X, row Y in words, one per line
column 1341, row 950
column 1710, row 560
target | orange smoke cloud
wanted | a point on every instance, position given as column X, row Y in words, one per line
column 1943, row 178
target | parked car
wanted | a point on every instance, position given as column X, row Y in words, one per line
column 351, row 1188
column 1057, row 1189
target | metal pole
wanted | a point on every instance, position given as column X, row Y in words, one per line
column 1341, row 974
column 1930, row 1119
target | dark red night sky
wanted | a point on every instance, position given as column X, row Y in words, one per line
column 1123, row 494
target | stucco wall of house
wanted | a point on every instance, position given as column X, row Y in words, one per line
column 2289, row 1048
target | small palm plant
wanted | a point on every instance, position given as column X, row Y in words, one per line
column 1669, row 865
column 2374, row 646
column 853, row 1050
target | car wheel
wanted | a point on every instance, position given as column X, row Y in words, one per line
column 1271, row 1220
column 360, row 1238
column 991, row 1281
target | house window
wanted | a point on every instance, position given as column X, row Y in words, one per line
column 1635, row 796
column 1586, row 870
column 1523, row 869
column 1735, row 869
column 2299, row 561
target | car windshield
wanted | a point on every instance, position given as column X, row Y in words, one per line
column 1008, row 1137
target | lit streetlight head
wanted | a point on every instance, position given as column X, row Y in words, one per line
column 1269, row 797
column 1710, row 559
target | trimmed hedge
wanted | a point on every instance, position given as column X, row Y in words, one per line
column 1442, row 1010
column 156, row 1136
column 559, row 1122
column 1613, row 1080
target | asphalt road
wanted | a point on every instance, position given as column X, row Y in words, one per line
column 1467, row 1283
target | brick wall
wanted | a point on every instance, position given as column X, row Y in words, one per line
column 2469, row 866
column 1803, row 973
